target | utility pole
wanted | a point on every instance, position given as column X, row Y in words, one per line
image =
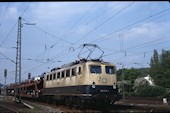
column 18, row 59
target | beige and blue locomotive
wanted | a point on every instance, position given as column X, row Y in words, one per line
column 86, row 81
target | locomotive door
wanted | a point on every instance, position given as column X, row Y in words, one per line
column 79, row 80
column 79, row 75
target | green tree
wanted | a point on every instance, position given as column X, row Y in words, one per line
column 130, row 74
column 154, row 59
column 160, row 68
column 150, row 91
column 165, row 59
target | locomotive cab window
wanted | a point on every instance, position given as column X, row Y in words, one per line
column 79, row 70
column 95, row 69
column 110, row 70
column 73, row 71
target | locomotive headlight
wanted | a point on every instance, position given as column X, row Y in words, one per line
column 93, row 85
column 114, row 85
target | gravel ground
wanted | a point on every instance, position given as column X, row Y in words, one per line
column 144, row 100
column 21, row 108
column 43, row 108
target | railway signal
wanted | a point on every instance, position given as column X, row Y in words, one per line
column 29, row 76
column 5, row 75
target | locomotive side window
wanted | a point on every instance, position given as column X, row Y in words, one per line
column 54, row 76
column 62, row 74
column 79, row 70
column 73, row 71
column 47, row 77
column 50, row 76
column 95, row 69
column 58, row 75
column 67, row 73
column 109, row 69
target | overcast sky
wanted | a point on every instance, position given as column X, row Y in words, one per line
column 127, row 32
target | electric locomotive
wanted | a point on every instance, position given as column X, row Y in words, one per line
column 85, row 81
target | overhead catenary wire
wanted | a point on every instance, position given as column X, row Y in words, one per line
column 14, row 26
column 49, row 34
column 7, row 58
column 65, row 32
column 132, row 25
column 141, row 20
column 62, row 57
column 52, row 59
column 138, row 57
column 90, row 20
column 149, row 17
column 65, row 35
column 104, row 22
column 53, row 36
column 70, row 28
column 101, row 39
column 4, row 14
column 165, row 37
column 142, row 53
column 10, row 33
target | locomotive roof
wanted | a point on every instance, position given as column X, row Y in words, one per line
column 78, row 62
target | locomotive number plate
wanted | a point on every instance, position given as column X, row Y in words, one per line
column 104, row 80
column 104, row 90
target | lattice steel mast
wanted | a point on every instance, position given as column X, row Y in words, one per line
column 18, row 59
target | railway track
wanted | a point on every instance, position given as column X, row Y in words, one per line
column 7, row 109
column 59, row 108
column 139, row 108
column 118, row 108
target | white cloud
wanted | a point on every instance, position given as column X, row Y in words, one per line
column 148, row 31
column 83, row 29
column 117, row 6
column 12, row 12
column 56, row 12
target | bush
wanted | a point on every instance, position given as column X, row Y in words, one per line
column 131, row 94
column 167, row 95
column 128, row 86
column 151, row 91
